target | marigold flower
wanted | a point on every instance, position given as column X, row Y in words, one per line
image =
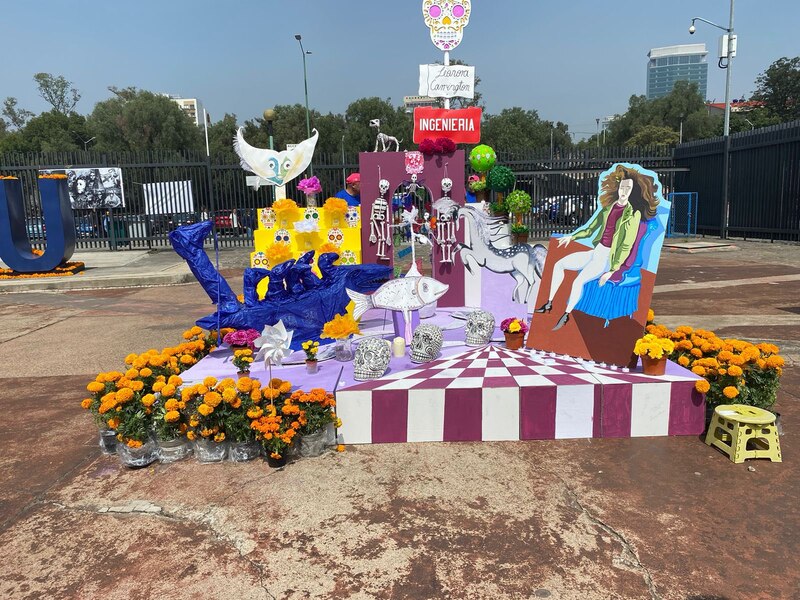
column 683, row 361
column 190, row 435
column 171, row 404
column 698, row 370
column 172, row 416
column 187, row 360
column 148, row 400
column 145, row 372
column 95, row 387
column 730, row 392
column 255, row 412
column 220, row 437
column 124, row 394
column 340, row 448
column 212, row 399
column 205, row 409
column 702, row 386
column 168, row 390
column 130, row 358
column 158, row 386
column 774, row 361
column 244, row 384
column 735, row 371
column 86, row 403
column 210, row 382
column 651, row 315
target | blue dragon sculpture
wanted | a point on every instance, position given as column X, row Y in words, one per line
column 295, row 294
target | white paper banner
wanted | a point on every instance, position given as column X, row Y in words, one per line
column 440, row 81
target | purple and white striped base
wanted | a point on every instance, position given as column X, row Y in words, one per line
column 493, row 393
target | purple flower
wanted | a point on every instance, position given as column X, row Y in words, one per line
column 241, row 337
column 506, row 323
column 310, row 185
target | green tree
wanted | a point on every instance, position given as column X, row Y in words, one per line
column 360, row 137
column 654, row 135
column 779, row 88
column 57, row 92
column 51, row 131
column 516, row 129
column 140, row 120
column 16, row 117
column 220, row 138
column 288, row 127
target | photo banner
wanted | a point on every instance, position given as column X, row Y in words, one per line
column 462, row 125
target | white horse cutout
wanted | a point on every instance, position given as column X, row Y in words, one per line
column 525, row 263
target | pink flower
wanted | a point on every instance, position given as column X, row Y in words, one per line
column 310, row 185
column 241, row 337
column 506, row 324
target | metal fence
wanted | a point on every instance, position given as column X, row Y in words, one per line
column 764, row 182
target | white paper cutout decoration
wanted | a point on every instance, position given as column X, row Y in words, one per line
column 446, row 20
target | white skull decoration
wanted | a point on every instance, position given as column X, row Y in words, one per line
column 267, row 218
column 426, row 343
column 446, row 19
column 351, row 216
column 335, row 236
column 480, row 328
column 447, row 185
column 372, row 358
column 383, row 186
column 259, row 260
column 311, row 214
column 348, row 257
column 282, row 236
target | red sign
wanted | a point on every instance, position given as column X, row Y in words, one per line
column 462, row 125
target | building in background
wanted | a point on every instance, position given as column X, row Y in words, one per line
column 665, row 66
column 412, row 102
column 192, row 107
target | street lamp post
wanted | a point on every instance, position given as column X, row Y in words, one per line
column 269, row 116
column 303, row 51
column 731, row 41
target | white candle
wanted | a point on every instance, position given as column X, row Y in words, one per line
column 399, row 347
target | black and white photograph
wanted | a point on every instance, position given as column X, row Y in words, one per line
column 94, row 188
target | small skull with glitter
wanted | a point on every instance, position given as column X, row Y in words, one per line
column 426, row 343
column 267, row 217
column 351, row 216
column 348, row 257
column 371, row 359
column 480, row 328
column 282, row 236
column 335, row 236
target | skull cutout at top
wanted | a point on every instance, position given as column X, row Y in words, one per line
column 446, row 20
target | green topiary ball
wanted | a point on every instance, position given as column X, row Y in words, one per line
column 501, row 179
column 518, row 202
column 482, row 158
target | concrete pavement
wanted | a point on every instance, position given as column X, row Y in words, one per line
column 663, row 518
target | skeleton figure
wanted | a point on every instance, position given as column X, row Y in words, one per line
column 426, row 343
column 446, row 223
column 383, row 139
column 379, row 226
column 479, row 328
column 371, row 359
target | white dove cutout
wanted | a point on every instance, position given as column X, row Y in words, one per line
column 275, row 167
column 274, row 344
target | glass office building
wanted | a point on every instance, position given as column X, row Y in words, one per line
column 667, row 65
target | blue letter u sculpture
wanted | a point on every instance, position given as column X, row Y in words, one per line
column 15, row 249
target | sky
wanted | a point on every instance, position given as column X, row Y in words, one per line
column 570, row 60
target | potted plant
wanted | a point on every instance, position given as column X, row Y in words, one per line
column 316, row 414
column 520, row 233
column 653, row 351
column 133, row 420
column 207, row 407
column 514, row 330
column 170, row 422
column 311, row 347
column 478, row 187
column 519, row 204
column 277, row 427
column 102, row 385
column 242, row 404
column 241, row 338
column 242, row 359
column 341, row 328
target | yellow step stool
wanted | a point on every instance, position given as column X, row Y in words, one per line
column 744, row 432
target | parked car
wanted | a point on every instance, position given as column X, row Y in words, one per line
column 84, row 227
column 226, row 221
column 36, row 228
column 559, row 210
column 182, row 218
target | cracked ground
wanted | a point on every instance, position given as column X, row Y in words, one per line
column 665, row 518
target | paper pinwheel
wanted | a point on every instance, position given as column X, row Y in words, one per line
column 274, row 344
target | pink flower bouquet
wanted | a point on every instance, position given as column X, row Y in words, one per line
column 310, row 186
column 513, row 325
column 242, row 337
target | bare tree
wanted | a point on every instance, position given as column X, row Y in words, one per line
column 57, row 91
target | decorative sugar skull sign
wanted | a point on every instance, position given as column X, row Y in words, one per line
column 351, row 216
column 267, row 216
column 426, row 343
column 446, row 20
column 335, row 236
column 259, row 259
column 348, row 257
column 282, row 236
column 372, row 358
column 311, row 214
column 480, row 328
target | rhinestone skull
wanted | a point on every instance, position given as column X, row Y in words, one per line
column 426, row 343
column 480, row 328
column 371, row 359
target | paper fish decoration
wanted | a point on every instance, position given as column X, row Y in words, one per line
column 406, row 294
column 276, row 168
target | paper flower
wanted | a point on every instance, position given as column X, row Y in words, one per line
column 340, row 327
column 335, row 205
column 284, row 205
column 274, row 344
column 310, row 185
column 241, row 337
column 277, row 253
column 306, row 226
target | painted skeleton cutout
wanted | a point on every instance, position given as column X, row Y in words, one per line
column 446, row 222
column 379, row 232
